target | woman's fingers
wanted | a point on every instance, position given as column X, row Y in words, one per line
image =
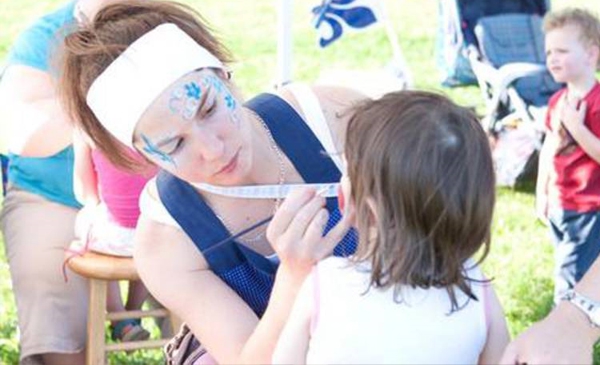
column 296, row 231
column 287, row 212
column 335, row 235
column 314, row 231
column 305, row 217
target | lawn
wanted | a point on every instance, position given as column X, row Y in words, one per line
column 520, row 261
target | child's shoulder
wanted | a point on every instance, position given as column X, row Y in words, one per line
column 334, row 263
column 554, row 98
column 337, row 267
column 473, row 270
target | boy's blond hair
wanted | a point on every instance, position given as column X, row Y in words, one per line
column 588, row 23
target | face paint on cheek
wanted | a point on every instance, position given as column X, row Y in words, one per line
column 151, row 149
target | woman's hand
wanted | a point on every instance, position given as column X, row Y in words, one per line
column 564, row 337
column 296, row 231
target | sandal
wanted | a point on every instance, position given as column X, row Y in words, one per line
column 129, row 330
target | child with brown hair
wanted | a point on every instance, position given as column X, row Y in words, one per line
column 420, row 189
column 570, row 158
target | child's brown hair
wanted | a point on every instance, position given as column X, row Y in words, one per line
column 421, row 173
column 587, row 22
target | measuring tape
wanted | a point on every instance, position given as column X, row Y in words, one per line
column 275, row 191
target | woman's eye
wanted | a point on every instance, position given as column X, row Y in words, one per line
column 176, row 147
column 211, row 108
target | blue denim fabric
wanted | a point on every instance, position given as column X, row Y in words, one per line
column 577, row 245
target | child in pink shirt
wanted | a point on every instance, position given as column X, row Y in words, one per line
column 107, row 222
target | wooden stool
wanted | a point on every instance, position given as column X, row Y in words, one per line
column 100, row 269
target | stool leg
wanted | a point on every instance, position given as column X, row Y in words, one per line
column 95, row 351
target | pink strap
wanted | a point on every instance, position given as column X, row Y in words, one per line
column 314, row 318
column 487, row 309
column 76, row 252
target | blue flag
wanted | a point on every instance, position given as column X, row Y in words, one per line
column 333, row 17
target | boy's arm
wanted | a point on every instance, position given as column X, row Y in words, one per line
column 85, row 181
column 292, row 345
column 573, row 120
column 498, row 336
column 544, row 167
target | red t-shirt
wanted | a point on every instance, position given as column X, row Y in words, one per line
column 575, row 181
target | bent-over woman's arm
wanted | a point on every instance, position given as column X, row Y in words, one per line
column 175, row 272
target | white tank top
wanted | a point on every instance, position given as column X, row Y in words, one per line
column 355, row 326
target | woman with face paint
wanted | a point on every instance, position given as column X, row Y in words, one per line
column 151, row 76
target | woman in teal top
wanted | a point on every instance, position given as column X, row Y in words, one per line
column 39, row 209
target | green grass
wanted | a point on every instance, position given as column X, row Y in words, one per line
column 521, row 257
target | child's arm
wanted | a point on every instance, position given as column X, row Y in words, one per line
column 292, row 345
column 573, row 119
column 541, row 188
column 498, row 337
column 85, row 181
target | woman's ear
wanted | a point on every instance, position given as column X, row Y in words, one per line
column 225, row 74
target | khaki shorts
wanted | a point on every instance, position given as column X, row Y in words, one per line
column 52, row 313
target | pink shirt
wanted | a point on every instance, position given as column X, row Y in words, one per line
column 119, row 189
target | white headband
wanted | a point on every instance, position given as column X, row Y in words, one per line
column 121, row 94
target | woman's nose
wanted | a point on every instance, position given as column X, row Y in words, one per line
column 209, row 145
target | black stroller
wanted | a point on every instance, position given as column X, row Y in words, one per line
column 499, row 45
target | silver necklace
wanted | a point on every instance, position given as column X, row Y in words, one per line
column 281, row 180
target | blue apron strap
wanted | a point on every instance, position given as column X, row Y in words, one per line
column 297, row 141
column 201, row 224
column 197, row 220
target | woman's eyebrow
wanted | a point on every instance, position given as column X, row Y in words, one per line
column 203, row 97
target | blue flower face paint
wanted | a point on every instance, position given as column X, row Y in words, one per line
column 186, row 100
column 221, row 90
column 153, row 150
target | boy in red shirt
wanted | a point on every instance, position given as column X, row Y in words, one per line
column 570, row 157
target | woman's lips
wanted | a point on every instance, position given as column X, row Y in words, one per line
column 231, row 165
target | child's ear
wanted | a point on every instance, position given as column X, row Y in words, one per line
column 345, row 203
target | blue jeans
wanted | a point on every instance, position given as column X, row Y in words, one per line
column 577, row 244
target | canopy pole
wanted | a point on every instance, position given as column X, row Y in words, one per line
column 284, row 43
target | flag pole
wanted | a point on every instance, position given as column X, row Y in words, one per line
column 398, row 63
column 284, row 43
